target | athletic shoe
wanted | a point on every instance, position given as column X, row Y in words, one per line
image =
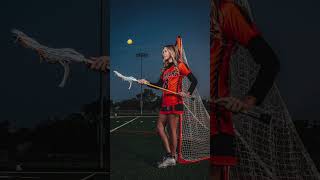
column 169, row 161
column 163, row 158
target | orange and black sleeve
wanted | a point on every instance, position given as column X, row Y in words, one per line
column 185, row 71
column 240, row 28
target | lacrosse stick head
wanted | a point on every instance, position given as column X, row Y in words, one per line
column 130, row 79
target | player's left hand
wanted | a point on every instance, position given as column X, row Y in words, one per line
column 236, row 105
column 42, row 54
column 100, row 63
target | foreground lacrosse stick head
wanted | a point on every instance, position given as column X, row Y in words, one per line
column 63, row 56
column 130, row 79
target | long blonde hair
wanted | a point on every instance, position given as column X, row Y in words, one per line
column 173, row 54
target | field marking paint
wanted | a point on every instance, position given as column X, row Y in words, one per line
column 124, row 124
column 87, row 177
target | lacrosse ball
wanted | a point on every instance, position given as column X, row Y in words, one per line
column 129, row 41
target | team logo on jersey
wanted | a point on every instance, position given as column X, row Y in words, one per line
column 173, row 73
column 165, row 84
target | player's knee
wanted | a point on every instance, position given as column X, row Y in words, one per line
column 159, row 128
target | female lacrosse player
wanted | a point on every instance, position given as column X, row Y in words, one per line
column 231, row 25
column 171, row 77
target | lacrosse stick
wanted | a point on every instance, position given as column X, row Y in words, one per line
column 63, row 56
column 261, row 116
column 131, row 79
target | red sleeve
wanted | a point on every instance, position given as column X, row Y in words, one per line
column 237, row 25
column 183, row 69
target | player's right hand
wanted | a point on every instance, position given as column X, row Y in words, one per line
column 143, row 81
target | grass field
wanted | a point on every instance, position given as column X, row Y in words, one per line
column 135, row 148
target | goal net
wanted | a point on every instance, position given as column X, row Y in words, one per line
column 271, row 150
column 194, row 131
column 265, row 151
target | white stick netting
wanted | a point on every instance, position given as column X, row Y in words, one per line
column 129, row 79
column 64, row 56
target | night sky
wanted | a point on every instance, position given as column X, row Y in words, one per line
column 30, row 92
column 292, row 29
column 152, row 25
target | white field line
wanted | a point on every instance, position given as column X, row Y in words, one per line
column 87, row 177
column 112, row 130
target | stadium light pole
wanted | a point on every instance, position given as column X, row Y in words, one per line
column 141, row 55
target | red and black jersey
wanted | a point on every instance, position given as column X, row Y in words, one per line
column 234, row 27
column 172, row 80
column 230, row 25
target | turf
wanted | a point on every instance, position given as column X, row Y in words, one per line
column 135, row 148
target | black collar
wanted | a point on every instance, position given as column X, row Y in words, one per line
column 169, row 65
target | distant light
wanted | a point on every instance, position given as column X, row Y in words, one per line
column 129, row 41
